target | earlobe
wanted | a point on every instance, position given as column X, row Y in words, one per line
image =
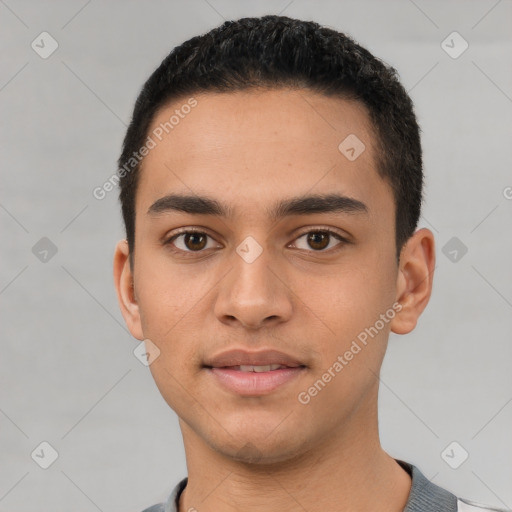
column 414, row 281
column 123, row 280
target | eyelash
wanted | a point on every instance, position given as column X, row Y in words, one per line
column 186, row 231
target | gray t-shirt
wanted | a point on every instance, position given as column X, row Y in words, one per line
column 424, row 497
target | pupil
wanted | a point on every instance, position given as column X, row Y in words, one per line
column 318, row 240
column 195, row 245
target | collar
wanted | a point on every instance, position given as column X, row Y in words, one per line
column 426, row 496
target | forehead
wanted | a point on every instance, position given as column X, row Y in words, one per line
column 258, row 145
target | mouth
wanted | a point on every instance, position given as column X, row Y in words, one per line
column 256, row 368
column 254, row 380
column 253, row 373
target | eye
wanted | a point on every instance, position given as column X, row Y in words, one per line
column 190, row 241
column 320, row 240
column 195, row 241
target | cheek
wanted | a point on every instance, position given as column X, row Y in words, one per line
column 176, row 370
column 351, row 333
column 346, row 301
column 165, row 292
column 168, row 305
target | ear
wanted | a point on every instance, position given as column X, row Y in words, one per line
column 123, row 279
column 414, row 281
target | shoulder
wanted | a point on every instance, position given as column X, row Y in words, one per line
column 160, row 507
column 425, row 496
column 172, row 503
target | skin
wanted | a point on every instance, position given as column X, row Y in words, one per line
column 249, row 150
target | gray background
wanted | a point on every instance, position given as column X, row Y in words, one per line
column 68, row 375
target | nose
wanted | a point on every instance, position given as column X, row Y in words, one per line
column 254, row 294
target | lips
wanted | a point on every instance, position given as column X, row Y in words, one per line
column 246, row 361
column 254, row 373
column 257, row 369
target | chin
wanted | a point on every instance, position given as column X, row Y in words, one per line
column 256, row 456
column 252, row 447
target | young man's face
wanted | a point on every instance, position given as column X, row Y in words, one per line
column 310, row 298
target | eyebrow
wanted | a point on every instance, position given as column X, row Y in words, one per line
column 302, row 205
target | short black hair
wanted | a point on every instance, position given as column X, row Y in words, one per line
column 280, row 52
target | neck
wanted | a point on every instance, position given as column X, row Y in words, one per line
column 347, row 470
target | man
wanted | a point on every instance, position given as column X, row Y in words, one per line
column 271, row 184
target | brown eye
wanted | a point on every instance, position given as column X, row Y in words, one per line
column 195, row 241
column 191, row 241
column 318, row 240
